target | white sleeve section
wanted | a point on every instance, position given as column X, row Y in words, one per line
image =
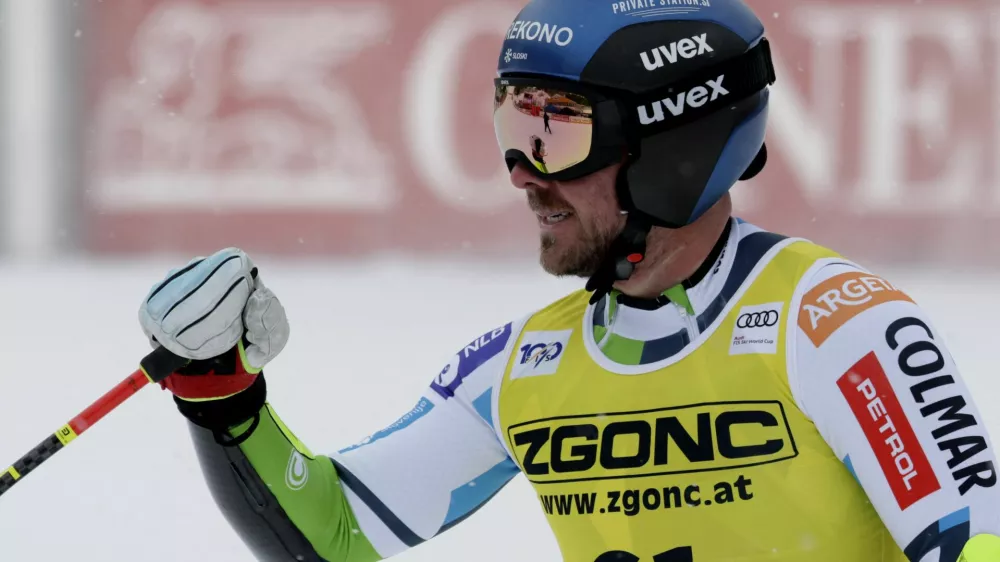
column 438, row 462
column 498, row 382
column 884, row 392
column 822, row 271
column 382, row 538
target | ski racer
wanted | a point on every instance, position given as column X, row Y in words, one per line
column 717, row 392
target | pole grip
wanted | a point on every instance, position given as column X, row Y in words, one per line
column 162, row 363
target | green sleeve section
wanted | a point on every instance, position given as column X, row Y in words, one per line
column 981, row 548
column 308, row 490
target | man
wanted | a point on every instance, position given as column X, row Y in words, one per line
column 718, row 392
column 538, row 154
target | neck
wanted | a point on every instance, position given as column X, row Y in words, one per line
column 673, row 256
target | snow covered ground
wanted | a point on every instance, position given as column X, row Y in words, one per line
column 130, row 489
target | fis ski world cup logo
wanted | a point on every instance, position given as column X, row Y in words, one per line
column 540, row 353
column 757, row 329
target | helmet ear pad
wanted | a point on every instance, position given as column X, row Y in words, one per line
column 688, row 169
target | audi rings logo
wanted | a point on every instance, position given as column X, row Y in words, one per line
column 763, row 319
column 757, row 330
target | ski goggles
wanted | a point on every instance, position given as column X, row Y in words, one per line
column 564, row 130
column 553, row 127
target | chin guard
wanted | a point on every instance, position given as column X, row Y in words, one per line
column 627, row 251
column 757, row 166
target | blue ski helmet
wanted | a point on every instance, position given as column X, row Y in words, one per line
column 675, row 89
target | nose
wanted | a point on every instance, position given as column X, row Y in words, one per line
column 521, row 178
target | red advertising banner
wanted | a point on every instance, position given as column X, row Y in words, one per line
column 333, row 126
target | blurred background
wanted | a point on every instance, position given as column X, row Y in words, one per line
column 348, row 146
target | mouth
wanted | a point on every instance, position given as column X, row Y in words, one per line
column 553, row 218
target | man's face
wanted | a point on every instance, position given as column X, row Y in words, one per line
column 577, row 220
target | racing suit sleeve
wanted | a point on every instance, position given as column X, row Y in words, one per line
column 867, row 366
column 405, row 484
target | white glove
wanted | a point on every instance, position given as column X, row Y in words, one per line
column 204, row 309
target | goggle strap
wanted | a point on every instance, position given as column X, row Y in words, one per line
column 722, row 85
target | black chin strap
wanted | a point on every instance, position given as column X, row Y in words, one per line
column 627, row 251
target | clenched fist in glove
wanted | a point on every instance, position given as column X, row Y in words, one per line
column 217, row 312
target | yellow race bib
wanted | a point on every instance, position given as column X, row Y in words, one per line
column 703, row 456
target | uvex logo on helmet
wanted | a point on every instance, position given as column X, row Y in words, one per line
column 683, row 49
column 695, row 97
column 541, row 32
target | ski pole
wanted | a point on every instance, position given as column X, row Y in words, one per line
column 155, row 367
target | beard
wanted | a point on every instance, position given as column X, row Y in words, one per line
column 578, row 258
column 580, row 252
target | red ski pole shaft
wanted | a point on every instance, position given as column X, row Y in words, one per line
column 155, row 367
